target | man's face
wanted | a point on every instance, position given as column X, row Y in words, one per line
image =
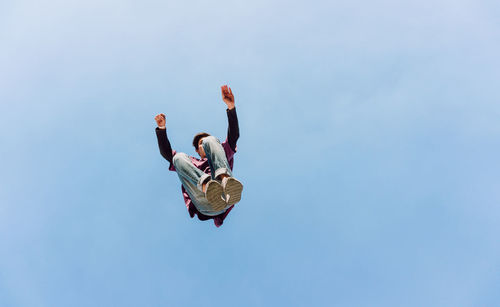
column 200, row 149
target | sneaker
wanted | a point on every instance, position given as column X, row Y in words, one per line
column 232, row 189
column 213, row 194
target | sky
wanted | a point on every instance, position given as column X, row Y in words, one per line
column 369, row 145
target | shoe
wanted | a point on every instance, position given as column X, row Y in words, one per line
column 213, row 194
column 232, row 189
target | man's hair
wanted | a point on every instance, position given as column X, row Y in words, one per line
column 198, row 137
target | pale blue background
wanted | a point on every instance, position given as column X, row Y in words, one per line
column 369, row 147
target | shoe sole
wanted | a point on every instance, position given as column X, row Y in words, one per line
column 214, row 195
column 232, row 190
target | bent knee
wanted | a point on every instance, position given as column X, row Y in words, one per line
column 180, row 157
column 210, row 139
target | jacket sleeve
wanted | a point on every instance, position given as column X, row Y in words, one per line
column 164, row 144
column 233, row 130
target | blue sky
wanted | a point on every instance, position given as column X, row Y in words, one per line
column 369, row 152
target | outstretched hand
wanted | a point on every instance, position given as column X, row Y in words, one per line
column 227, row 96
column 160, row 120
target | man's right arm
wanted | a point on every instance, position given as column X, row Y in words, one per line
column 161, row 135
column 164, row 144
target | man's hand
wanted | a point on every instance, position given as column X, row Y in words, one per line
column 227, row 96
column 160, row 120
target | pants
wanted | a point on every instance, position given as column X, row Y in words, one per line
column 192, row 178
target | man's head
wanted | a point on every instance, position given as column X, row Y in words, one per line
column 197, row 143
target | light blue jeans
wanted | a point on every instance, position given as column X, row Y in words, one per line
column 192, row 178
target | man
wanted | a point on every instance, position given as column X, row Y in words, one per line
column 208, row 186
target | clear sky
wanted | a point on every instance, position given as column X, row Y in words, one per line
column 369, row 145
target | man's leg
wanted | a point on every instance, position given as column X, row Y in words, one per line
column 216, row 156
column 188, row 172
column 221, row 170
column 192, row 179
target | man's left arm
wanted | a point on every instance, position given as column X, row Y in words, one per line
column 233, row 131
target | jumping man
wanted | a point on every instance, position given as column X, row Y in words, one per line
column 209, row 189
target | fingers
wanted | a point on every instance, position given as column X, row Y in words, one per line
column 160, row 118
column 226, row 91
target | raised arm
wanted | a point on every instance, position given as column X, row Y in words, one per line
column 233, row 130
column 161, row 135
